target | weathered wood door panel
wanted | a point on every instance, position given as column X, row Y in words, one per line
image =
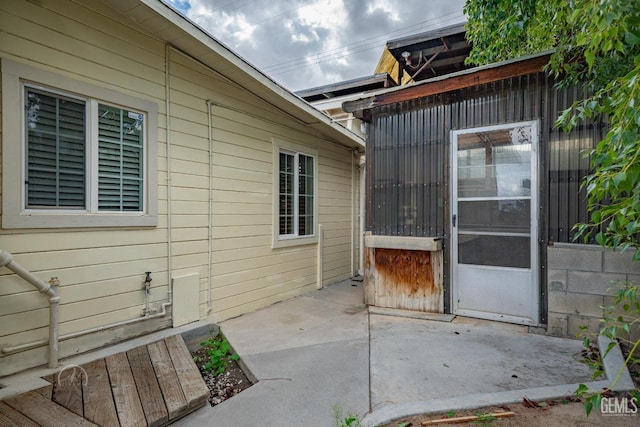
column 404, row 279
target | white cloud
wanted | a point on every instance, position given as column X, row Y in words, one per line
column 330, row 17
column 232, row 28
column 329, row 14
column 307, row 43
column 389, row 8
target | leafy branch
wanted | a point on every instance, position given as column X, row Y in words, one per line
column 596, row 46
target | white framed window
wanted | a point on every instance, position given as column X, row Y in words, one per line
column 75, row 155
column 295, row 194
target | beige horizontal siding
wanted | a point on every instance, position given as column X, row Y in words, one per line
column 102, row 270
column 33, row 32
column 82, row 240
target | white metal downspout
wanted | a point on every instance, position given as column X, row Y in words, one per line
column 320, row 256
column 363, row 176
column 353, row 214
column 210, row 225
column 167, row 97
column 51, row 290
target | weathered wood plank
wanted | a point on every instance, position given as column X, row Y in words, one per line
column 151, row 399
column 193, row 386
column 67, row 389
column 167, row 379
column 46, row 391
column 96, row 395
column 45, row 412
column 11, row 417
column 125, row 393
column 370, row 276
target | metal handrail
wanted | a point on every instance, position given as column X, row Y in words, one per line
column 50, row 289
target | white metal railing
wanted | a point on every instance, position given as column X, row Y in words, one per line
column 50, row 289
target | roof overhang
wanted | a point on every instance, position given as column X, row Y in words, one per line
column 347, row 87
column 432, row 53
column 448, row 83
column 166, row 24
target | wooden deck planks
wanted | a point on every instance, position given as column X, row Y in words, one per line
column 9, row 417
column 45, row 412
column 150, row 385
column 46, row 391
column 151, row 398
column 167, row 379
column 96, row 395
column 125, row 393
column 67, row 389
column 193, row 386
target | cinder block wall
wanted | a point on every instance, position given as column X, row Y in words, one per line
column 581, row 278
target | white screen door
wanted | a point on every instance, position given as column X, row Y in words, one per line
column 494, row 257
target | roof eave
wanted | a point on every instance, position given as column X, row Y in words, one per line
column 347, row 84
column 181, row 33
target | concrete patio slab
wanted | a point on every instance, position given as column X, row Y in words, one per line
column 414, row 360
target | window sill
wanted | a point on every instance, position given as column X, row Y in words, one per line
column 84, row 220
column 294, row 241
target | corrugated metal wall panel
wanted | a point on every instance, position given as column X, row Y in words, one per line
column 408, row 155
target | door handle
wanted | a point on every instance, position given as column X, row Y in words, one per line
column 454, row 220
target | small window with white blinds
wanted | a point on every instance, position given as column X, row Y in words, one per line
column 295, row 194
column 74, row 153
column 59, row 140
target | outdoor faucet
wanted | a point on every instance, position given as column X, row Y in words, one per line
column 147, row 282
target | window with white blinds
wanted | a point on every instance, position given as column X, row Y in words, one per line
column 75, row 153
column 296, row 195
column 59, row 140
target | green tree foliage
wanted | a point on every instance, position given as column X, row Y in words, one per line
column 596, row 44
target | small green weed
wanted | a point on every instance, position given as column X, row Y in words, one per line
column 350, row 420
column 451, row 414
column 218, row 355
column 484, row 419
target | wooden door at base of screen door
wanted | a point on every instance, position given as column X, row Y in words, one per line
column 494, row 257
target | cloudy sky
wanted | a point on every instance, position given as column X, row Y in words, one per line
column 308, row 43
